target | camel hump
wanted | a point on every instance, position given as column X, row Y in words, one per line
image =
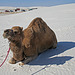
column 36, row 21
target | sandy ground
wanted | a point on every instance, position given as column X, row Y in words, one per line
column 59, row 61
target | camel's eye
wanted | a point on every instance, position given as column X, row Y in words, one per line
column 15, row 32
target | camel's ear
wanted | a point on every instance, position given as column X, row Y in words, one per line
column 21, row 28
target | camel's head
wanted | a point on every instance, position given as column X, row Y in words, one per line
column 15, row 32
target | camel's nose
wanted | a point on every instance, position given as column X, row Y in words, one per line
column 6, row 31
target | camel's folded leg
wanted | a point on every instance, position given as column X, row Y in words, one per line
column 12, row 61
column 27, row 60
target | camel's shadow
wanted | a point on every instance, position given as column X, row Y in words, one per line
column 46, row 57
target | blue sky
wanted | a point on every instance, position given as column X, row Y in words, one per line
column 28, row 3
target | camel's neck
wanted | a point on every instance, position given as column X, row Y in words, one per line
column 16, row 41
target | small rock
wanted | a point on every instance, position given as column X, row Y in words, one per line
column 14, row 69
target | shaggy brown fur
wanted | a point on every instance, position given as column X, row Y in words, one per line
column 26, row 44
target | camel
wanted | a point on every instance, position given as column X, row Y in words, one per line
column 28, row 43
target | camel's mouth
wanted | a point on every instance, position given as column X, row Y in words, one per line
column 8, row 33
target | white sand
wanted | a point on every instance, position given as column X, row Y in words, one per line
column 59, row 61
